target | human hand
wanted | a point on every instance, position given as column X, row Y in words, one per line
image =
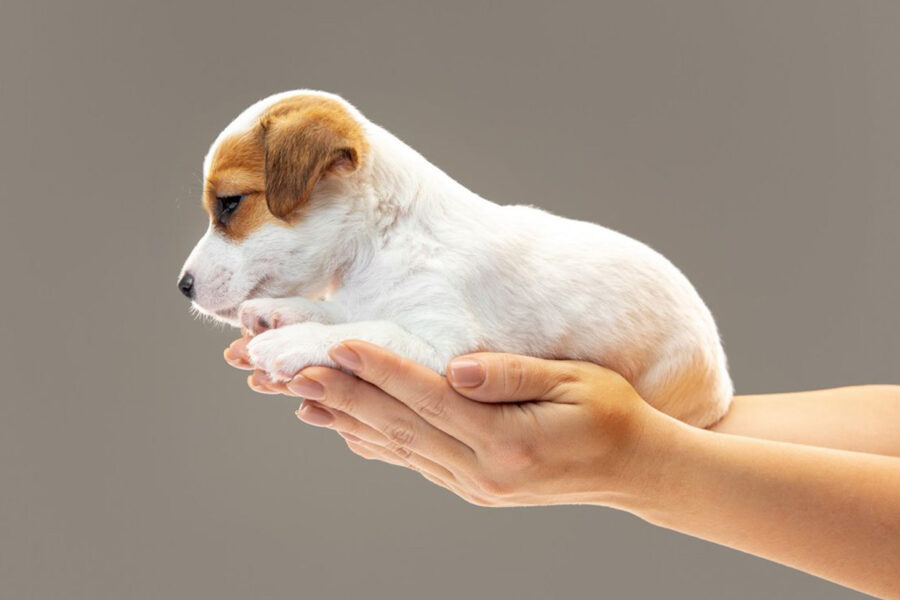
column 533, row 431
column 500, row 430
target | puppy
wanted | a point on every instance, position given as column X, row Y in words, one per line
column 325, row 227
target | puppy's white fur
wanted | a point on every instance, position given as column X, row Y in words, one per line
column 399, row 254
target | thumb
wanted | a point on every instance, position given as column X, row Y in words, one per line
column 494, row 377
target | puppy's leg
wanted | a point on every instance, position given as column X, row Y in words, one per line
column 262, row 314
column 284, row 351
column 693, row 387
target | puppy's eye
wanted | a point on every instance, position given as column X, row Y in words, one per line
column 227, row 206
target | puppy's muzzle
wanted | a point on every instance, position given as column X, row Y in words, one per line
column 186, row 285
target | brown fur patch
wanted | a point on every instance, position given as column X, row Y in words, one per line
column 277, row 164
column 305, row 138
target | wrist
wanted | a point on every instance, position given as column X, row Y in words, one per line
column 659, row 455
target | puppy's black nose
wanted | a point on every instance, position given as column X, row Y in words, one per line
column 186, row 285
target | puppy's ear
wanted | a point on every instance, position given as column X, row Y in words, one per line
column 302, row 146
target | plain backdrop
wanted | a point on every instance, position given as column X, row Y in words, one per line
column 756, row 144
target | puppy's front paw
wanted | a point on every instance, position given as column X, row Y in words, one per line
column 281, row 353
column 262, row 314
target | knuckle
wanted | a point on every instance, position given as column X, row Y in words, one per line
column 513, row 376
column 431, row 404
column 400, row 432
column 339, row 392
column 340, row 400
column 570, row 372
column 343, row 402
column 388, row 373
column 401, row 451
column 565, row 378
column 380, row 376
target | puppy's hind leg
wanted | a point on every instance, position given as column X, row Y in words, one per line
column 696, row 389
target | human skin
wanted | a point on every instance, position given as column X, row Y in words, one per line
column 810, row 480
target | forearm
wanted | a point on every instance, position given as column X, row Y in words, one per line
column 831, row 513
column 859, row 418
column 550, row 432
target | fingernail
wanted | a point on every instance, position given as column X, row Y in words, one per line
column 465, row 372
column 314, row 414
column 349, row 436
column 306, row 387
column 345, row 357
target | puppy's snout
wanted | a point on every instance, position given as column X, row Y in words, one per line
column 186, row 285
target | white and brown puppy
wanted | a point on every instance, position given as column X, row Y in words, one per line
column 324, row 227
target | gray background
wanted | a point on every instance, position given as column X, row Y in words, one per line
column 756, row 144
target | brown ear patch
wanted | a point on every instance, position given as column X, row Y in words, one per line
column 306, row 138
column 276, row 165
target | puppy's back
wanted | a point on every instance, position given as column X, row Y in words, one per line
column 575, row 290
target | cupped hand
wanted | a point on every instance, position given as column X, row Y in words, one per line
column 499, row 430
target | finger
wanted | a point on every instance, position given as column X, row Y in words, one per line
column 365, row 447
column 236, row 354
column 409, row 460
column 259, row 382
column 315, row 413
column 238, row 364
column 418, row 387
column 369, row 452
column 436, row 481
column 405, row 430
column 352, row 429
column 494, row 377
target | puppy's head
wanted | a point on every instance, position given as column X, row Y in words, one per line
column 279, row 188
